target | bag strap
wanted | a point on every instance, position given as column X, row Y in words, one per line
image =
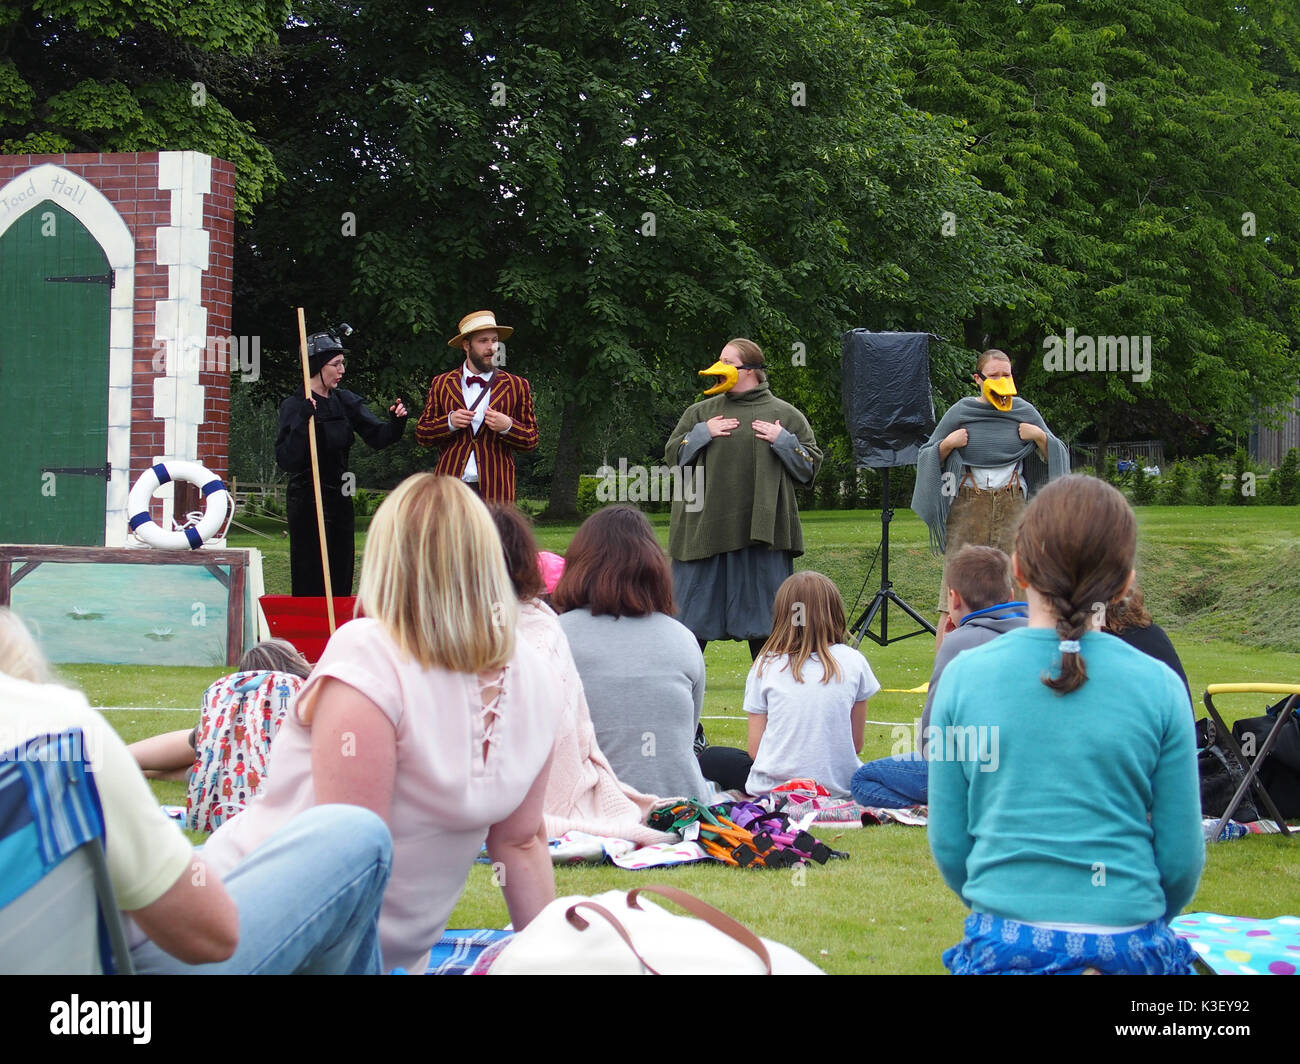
column 715, row 918
column 571, row 914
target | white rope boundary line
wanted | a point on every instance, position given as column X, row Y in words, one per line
column 742, row 716
column 196, row 710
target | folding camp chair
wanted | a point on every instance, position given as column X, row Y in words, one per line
column 1252, row 767
column 58, row 913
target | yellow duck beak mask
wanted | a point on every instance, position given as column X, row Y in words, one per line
column 999, row 391
column 729, row 375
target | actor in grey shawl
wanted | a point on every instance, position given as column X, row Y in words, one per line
column 987, row 456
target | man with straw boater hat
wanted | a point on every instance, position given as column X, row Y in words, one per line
column 478, row 415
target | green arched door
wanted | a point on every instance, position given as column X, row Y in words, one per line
column 55, row 287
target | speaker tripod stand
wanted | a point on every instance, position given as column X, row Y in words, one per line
column 880, row 602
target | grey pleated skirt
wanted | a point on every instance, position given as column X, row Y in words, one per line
column 729, row 596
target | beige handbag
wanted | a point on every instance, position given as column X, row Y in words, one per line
column 623, row 933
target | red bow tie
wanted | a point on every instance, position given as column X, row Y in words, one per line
column 477, row 380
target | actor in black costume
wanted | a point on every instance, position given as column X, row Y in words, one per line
column 339, row 413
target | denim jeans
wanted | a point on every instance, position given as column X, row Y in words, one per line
column 308, row 900
column 892, row 782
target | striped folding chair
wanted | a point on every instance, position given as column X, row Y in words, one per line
column 58, row 913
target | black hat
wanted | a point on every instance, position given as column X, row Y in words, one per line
column 322, row 347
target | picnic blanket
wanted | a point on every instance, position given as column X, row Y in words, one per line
column 916, row 816
column 812, row 805
column 1242, row 945
column 457, row 950
column 1236, row 829
column 577, row 847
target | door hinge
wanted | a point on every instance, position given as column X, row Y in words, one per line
column 109, row 279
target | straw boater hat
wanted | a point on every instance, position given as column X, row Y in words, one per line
column 477, row 322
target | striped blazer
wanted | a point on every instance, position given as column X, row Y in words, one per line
column 494, row 452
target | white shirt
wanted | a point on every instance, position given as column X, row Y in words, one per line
column 990, row 478
column 809, row 725
column 471, row 392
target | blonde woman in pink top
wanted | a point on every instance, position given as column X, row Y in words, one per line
column 428, row 711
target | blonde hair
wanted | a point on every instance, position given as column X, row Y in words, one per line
column 20, row 657
column 433, row 574
column 807, row 619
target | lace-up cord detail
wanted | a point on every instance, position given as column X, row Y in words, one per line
column 491, row 693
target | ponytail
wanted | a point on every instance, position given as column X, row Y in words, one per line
column 1076, row 544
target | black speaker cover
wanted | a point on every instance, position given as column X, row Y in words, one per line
column 886, row 396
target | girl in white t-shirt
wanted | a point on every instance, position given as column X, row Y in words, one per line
column 806, row 697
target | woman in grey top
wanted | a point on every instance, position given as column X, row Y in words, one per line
column 643, row 671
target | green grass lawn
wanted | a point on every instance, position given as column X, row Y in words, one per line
column 1225, row 583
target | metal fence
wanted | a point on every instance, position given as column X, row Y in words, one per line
column 1148, row 452
column 1271, row 445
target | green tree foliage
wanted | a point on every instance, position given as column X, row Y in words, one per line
column 1209, row 482
column 1144, row 486
column 1288, row 479
column 135, row 75
column 1149, row 147
column 629, row 186
column 1243, row 480
column 1175, row 485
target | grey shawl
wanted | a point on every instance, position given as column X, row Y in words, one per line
column 994, row 441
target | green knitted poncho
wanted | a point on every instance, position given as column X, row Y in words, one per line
column 748, row 493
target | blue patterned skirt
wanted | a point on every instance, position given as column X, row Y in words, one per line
column 996, row 946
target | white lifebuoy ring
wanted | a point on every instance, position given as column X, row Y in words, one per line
column 217, row 507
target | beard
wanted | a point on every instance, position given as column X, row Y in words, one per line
column 482, row 364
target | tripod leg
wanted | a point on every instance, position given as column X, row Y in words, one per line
column 907, row 608
column 862, row 626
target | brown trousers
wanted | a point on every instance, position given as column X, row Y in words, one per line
column 986, row 518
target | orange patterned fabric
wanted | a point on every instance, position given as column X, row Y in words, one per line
column 494, row 452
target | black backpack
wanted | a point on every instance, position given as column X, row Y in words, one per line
column 1221, row 774
column 1280, row 772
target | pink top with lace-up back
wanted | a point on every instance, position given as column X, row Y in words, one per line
column 461, row 767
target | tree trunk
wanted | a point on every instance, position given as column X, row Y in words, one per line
column 563, row 503
column 1103, row 438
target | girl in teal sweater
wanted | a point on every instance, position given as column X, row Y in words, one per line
column 1064, row 802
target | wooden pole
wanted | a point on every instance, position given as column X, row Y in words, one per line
column 315, row 473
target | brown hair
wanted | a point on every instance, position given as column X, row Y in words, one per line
column 1128, row 612
column 807, row 619
column 615, row 566
column 275, row 655
column 751, row 355
column 1075, row 545
column 520, row 549
column 988, row 356
column 981, row 576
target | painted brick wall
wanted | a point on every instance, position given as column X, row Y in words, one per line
column 130, row 182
